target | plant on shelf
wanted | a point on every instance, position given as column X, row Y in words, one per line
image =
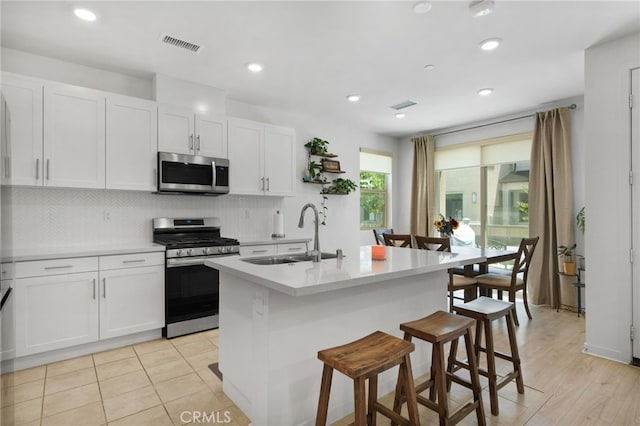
column 341, row 186
column 567, row 253
column 313, row 173
column 317, row 146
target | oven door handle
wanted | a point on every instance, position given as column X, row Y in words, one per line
column 175, row 263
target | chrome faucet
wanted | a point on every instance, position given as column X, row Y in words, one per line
column 316, row 243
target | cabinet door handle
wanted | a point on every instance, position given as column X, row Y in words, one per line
column 37, row 169
column 104, row 288
column 262, row 188
column 198, row 143
column 259, row 251
column 133, row 261
column 268, row 184
column 47, row 169
column 294, row 248
column 58, row 267
column 94, row 289
column 191, row 141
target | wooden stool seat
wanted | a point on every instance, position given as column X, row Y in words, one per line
column 438, row 329
column 484, row 311
column 364, row 359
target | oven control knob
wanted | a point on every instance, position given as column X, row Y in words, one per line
column 205, row 250
column 189, row 252
column 179, row 252
column 220, row 249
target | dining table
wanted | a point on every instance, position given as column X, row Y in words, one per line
column 491, row 256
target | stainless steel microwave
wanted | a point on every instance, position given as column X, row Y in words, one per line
column 194, row 174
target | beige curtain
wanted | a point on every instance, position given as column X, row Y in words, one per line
column 422, row 185
column 550, row 203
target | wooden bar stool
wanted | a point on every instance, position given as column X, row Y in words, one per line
column 365, row 359
column 438, row 329
column 485, row 310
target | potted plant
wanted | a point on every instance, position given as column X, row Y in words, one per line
column 317, row 146
column 341, row 186
column 567, row 253
column 313, row 171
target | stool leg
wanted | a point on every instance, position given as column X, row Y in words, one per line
column 400, row 386
column 323, row 402
column 410, row 391
column 441, row 385
column 515, row 355
column 359, row 397
column 512, row 299
column 451, row 365
column 491, row 367
column 432, row 373
column 475, row 378
column 479, row 327
column 373, row 396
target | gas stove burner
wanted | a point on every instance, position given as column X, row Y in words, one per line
column 193, row 237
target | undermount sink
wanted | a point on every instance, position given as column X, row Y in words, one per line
column 290, row 258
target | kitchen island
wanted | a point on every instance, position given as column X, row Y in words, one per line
column 275, row 318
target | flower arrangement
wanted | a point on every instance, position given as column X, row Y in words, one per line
column 445, row 226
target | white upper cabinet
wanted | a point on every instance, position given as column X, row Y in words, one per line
column 246, row 159
column 22, row 157
column 261, row 158
column 74, row 137
column 131, row 143
column 279, row 160
column 181, row 131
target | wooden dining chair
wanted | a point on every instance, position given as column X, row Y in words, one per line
column 433, row 243
column 517, row 280
column 377, row 234
column 397, row 240
column 456, row 282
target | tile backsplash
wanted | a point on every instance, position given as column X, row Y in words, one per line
column 62, row 217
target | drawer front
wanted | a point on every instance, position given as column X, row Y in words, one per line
column 39, row 268
column 292, row 248
column 132, row 260
column 7, row 271
column 262, row 250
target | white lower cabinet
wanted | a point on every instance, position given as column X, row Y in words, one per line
column 54, row 312
column 59, row 311
column 7, row 317
column 131, row 300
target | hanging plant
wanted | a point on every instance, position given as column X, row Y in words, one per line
column 323, row 210
column 341, row 186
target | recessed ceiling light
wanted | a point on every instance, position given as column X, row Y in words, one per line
column 400, row 115
column 255, row 67
column 85, row 15
column 490, row 43
column 353, row 98
column 422, row 7
column 481, row 8
column 485, row 92
column 429, row 67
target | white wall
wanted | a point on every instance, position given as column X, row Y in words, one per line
column 496, row 130
column 607, row 154
column 47, row 217
column 24, row 63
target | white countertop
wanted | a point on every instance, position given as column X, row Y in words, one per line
column 44, row 253
column 355, row 269
column 259, row 242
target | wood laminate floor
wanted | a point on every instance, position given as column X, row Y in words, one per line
column 156, row 383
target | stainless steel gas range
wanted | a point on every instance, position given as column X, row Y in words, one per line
column 191, row 289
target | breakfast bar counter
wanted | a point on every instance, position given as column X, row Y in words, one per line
column 275, row 318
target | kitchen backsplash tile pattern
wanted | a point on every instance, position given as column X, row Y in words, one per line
column 57, row 217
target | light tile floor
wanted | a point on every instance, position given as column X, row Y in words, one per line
column 161, row 382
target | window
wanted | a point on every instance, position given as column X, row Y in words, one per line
column 375, row 181
column 485, row 185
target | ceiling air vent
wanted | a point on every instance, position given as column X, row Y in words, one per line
column 402, row 105
column 174, row 41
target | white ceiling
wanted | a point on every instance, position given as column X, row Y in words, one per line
column 315, row 53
